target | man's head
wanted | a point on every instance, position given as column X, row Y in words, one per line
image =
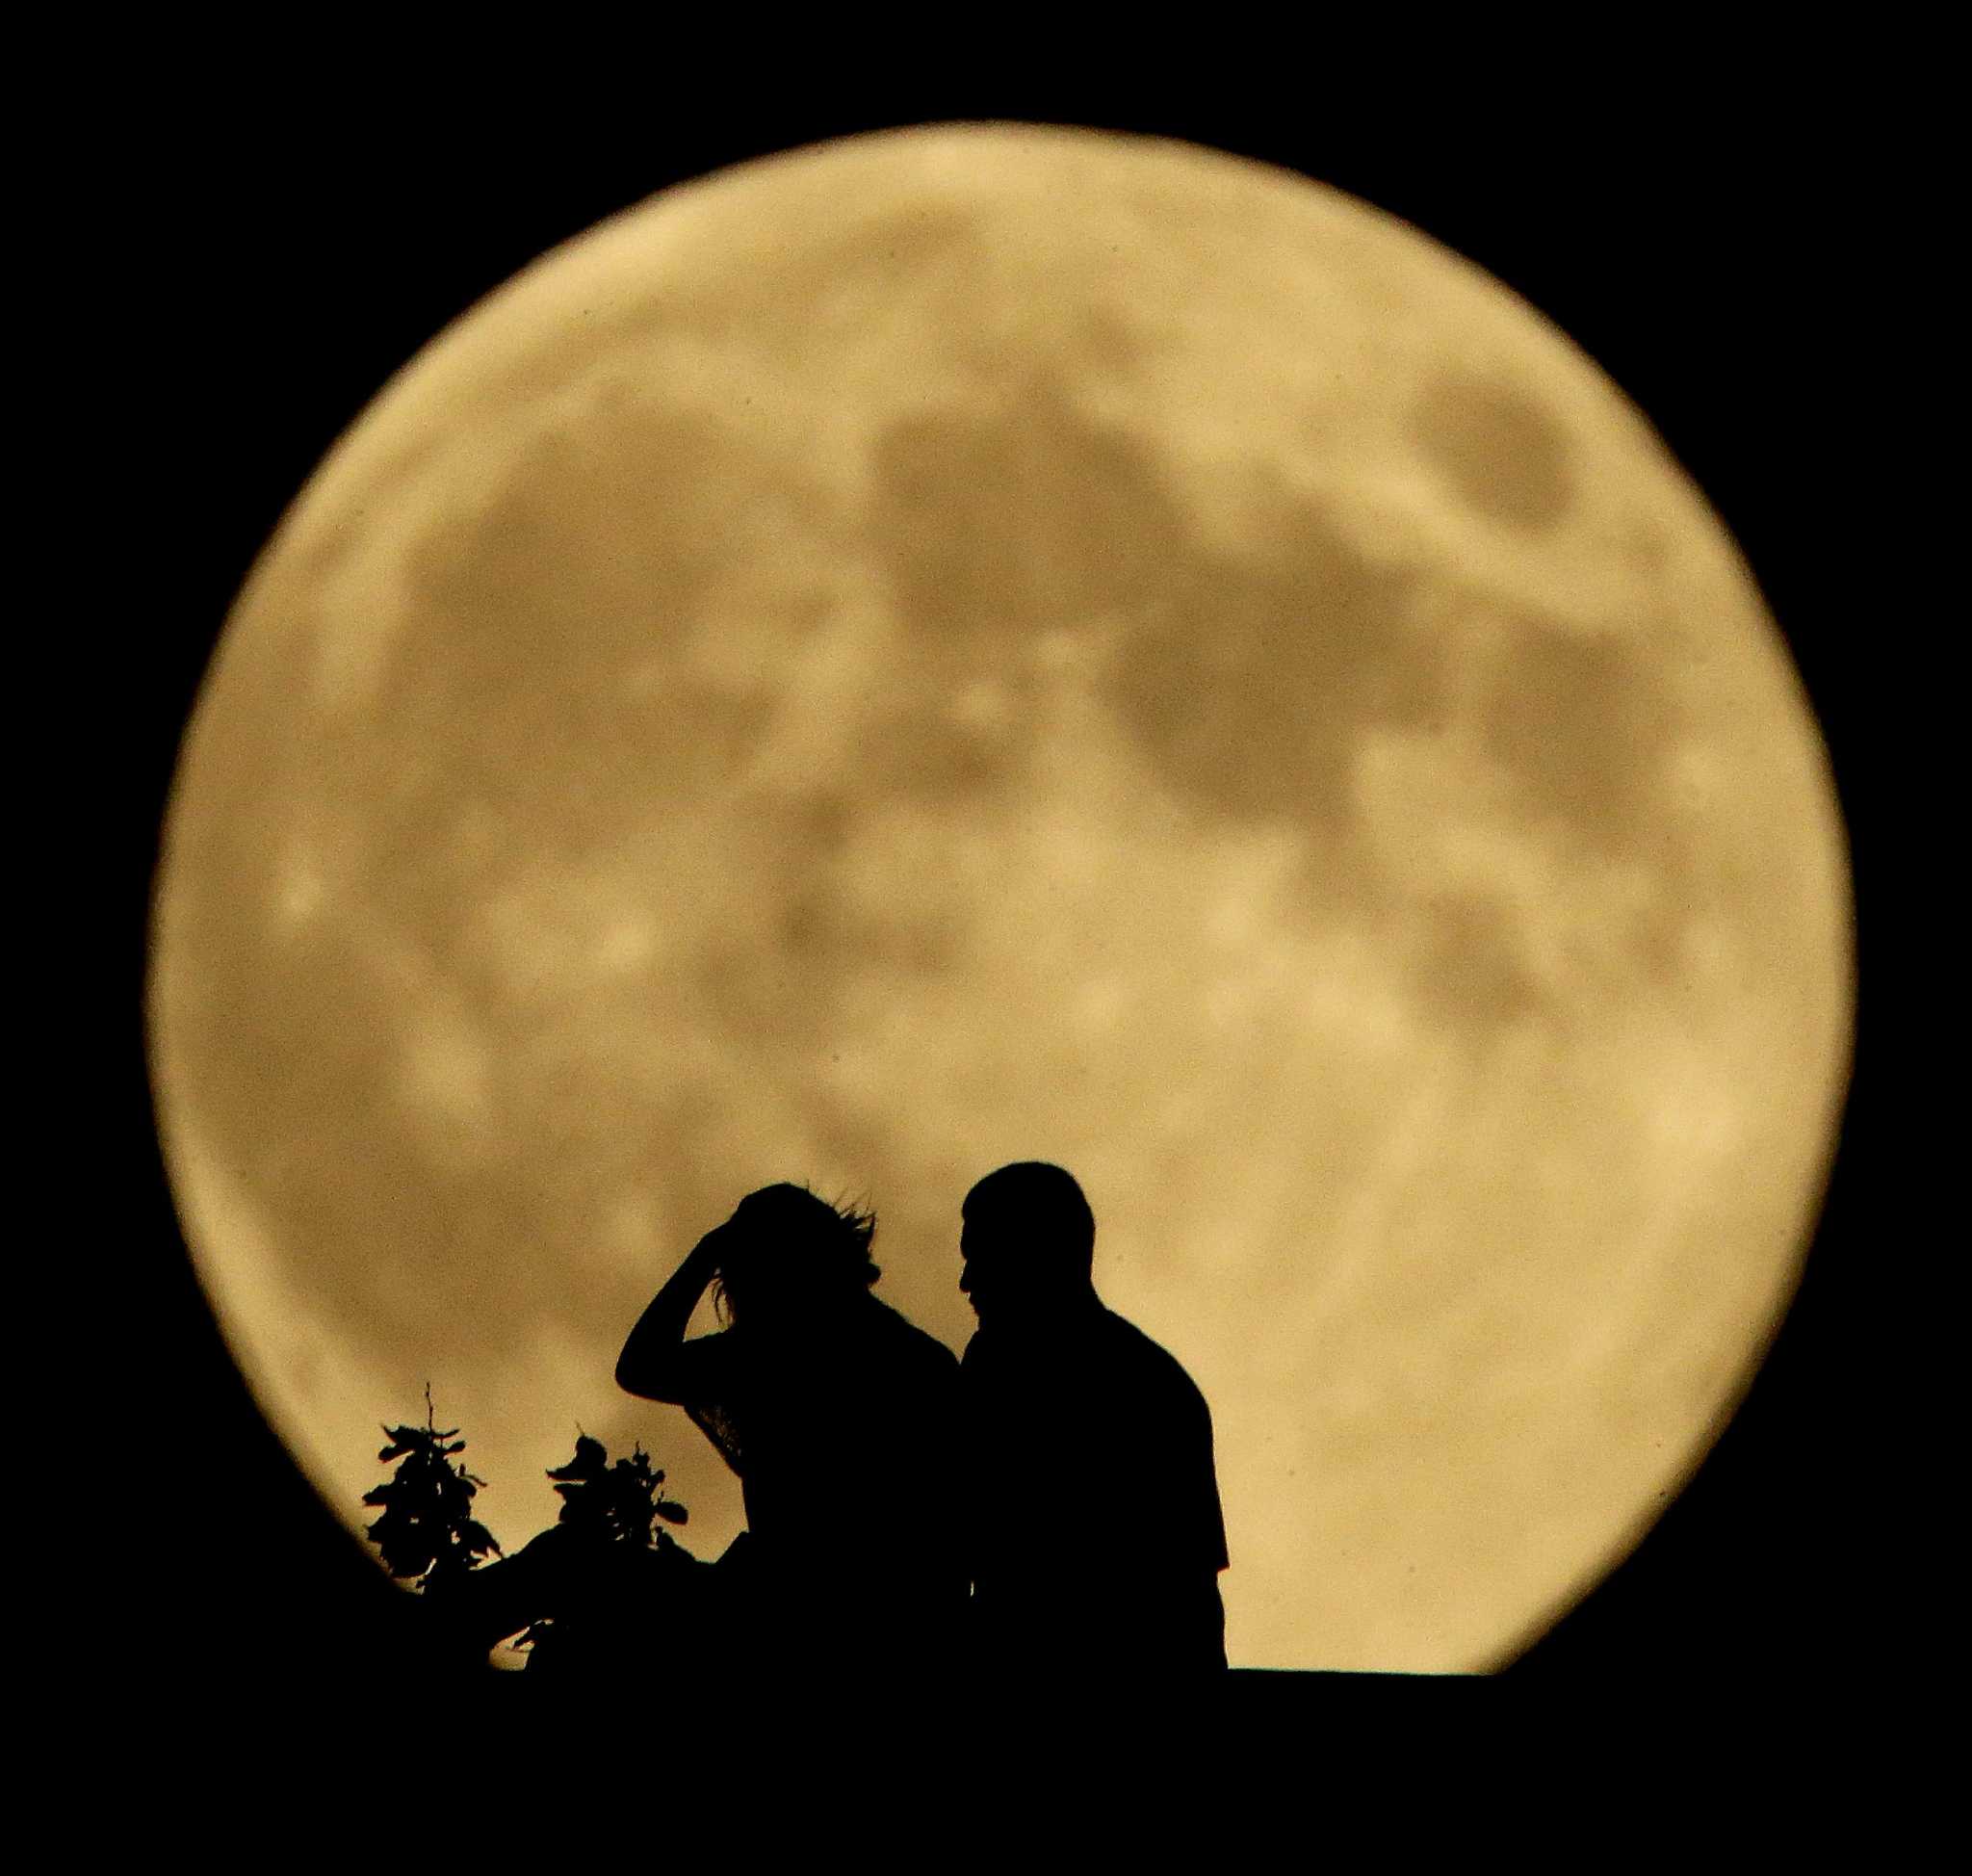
column 1028, row 1241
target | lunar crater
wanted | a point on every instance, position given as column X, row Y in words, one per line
column 1498, row 449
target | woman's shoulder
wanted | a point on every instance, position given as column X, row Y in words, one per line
column 910, row 1344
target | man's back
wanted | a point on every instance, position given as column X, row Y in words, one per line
column 1097, row 1533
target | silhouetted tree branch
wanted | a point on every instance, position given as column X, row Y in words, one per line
column 427, row 1531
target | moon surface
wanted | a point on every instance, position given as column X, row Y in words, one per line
column 986, row 643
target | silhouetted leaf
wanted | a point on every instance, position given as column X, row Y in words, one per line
column 477, row 1537
column 670, row 1512
column 589, row 1462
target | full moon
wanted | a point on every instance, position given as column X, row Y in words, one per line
column 985, row 642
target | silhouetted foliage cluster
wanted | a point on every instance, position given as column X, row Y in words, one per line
column 606, row 1504
column 427, row 1531
column 621, row 1501
column 584, row 1589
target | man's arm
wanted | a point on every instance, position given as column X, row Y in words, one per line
column 656, row 1362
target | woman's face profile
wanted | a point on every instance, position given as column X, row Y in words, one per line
column 740, row 1278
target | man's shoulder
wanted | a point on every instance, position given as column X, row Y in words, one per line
column 1088, row 1346
column 1131, row 1341
column 1144, row 1356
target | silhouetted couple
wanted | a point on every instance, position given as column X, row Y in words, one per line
column 1047, row 1507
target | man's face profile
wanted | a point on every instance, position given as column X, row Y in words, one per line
column 981, row 1242
column 1023, row 1237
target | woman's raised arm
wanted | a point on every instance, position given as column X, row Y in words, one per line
column 656, row 1362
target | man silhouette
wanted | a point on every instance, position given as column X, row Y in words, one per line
column 1097, row 1536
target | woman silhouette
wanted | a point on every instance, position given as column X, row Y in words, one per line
column 839, row 1418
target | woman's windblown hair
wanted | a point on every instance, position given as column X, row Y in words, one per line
column 791, row 1241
